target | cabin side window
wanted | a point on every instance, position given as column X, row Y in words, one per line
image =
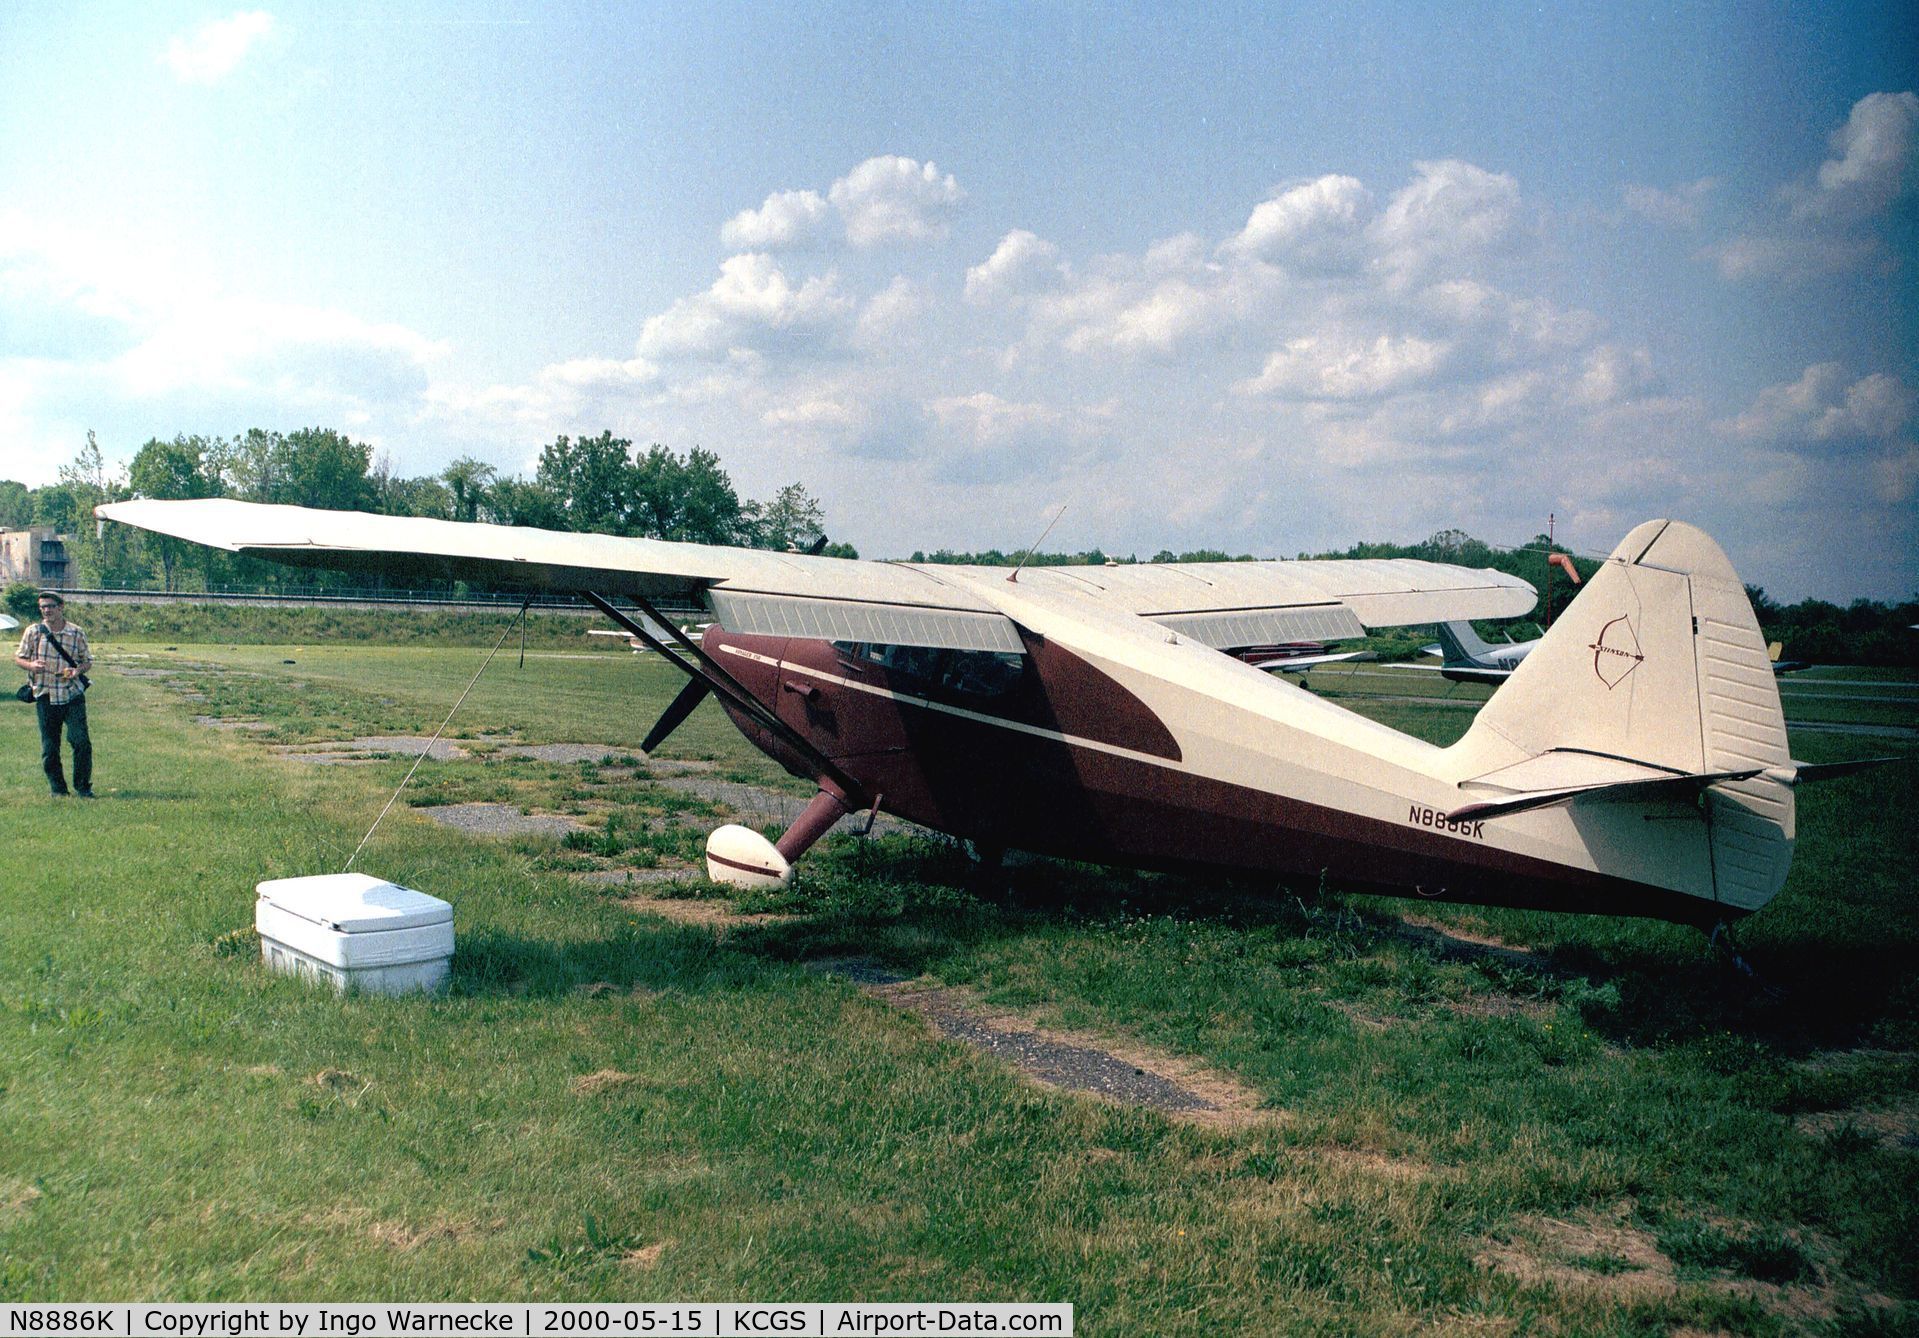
column 972, row 673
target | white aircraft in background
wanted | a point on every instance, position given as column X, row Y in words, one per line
column 8, row 622
column 658, row 631
column 1635, row 763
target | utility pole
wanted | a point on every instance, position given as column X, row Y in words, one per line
column 1549, row 570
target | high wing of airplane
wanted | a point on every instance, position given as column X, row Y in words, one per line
column 8, row 622
column 1635, row 763
column 1465, row 658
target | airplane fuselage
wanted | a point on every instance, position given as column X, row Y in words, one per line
column 1206, row 765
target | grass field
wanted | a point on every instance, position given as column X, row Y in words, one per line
column 1595, row 1126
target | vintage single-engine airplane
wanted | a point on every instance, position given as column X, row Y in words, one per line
column 1634, row 764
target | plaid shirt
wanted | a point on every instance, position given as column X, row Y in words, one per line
column 46, row 679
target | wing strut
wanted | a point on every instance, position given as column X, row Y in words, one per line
column 703, row 668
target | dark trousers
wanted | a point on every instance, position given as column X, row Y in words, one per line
column 73, row 715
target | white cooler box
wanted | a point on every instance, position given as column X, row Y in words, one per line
column 355, row 932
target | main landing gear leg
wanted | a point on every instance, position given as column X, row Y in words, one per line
column 1721, row 941
column 986, row 873
column 741, row 857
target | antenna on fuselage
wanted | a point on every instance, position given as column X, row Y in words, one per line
column 1014, row 578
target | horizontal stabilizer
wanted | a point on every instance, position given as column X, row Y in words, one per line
column 1641, row 789
column 1818, row 771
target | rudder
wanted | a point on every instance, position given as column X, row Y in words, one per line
column 1659, row 661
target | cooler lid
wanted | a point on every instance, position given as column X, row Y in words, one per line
column 354, row 903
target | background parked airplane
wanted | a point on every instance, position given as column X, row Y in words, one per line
column 1465, row 658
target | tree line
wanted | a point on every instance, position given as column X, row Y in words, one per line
column 599, row 484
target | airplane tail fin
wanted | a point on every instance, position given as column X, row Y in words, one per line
column 1460, row 644
column 1652, row 689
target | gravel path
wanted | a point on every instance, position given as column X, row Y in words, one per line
column 406, row 745
column 1052, row 1060
column 500, row 820
column 560, row 752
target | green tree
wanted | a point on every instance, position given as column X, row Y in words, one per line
column 468, row 480
column 250, row 467
column 16, row 504
column 173, row 470
column 592, row 478
column 691, row 500
column 56, row 505
column 106, row 556
column 518, row 502
column 391, row 495
column 658, row 483
column 792, row 522
column 22, row 600
column 710, row 511
column 325, row 469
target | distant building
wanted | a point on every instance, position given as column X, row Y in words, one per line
column 36, row 555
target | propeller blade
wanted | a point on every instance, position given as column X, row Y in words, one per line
column 690, row 696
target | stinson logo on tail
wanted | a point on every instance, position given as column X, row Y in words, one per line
column 1616, row 652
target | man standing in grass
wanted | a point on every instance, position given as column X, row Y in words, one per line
column 59, row 691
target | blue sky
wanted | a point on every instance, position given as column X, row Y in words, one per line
column 1266, row 278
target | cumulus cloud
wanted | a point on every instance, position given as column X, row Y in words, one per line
column 985, row 438
column 1154, row 304
column 104, row 331
column 1344, row 369
column 894, row 199
column 1793, row 259
column 752, row 305
column 986, row 418
column 1831, row 221
column 557, row 396
column 1314, row 227
column 789, row 219
column 1679, row 207
column 290, row 350
column 818, row 411
column 216, row 48
column 890, row 315
column 1614, row 375
column 1450, row 214
column 1021, row 263
column 1154, row 320
column 1827, row 405
column 1896, row 475
column 1872, row 162
column 140, row 324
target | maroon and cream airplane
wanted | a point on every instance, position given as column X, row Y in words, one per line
column 1634, row 764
